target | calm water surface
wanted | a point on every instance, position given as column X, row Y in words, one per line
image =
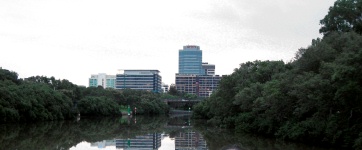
column 163, row 133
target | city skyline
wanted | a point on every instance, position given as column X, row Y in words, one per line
column 73, row 39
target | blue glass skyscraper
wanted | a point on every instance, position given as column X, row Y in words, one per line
column 190, row 60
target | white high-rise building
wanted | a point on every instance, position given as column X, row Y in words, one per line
column 102, row 79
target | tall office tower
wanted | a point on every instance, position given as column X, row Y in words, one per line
column 209, row 69
column 195, row 77
column 102, row 79
column 190, row 60
column 148, row 80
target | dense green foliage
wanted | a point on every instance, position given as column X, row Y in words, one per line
column 316, row 98
column 145, row 102
column 173, row 93
column 344, row 16
column 42, row 98
column 27, row 101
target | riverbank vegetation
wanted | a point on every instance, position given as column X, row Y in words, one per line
column 42, row 98
column 316, row 98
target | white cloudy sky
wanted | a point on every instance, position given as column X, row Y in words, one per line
column 72, row 39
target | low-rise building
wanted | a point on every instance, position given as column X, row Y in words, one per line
column 148, row 80
column 165, row 87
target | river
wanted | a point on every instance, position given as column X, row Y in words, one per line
column 162, row 133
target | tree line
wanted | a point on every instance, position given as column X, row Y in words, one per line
column 316, row 98
column 42, row 98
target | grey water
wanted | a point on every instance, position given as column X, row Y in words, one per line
column 137, row 132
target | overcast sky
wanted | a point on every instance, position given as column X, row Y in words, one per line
column 72, row 39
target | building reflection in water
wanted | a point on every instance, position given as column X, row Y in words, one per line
column 148, row 141
column 190, row 140
column 185, row 138
column 104, row 143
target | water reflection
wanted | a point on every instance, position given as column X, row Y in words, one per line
column 190, row 140
column 182, row 136
column 175, row 132
column 147, row 141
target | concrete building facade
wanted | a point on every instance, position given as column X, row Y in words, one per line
column 200, row 85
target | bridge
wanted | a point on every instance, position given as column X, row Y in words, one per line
column 181, row 103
